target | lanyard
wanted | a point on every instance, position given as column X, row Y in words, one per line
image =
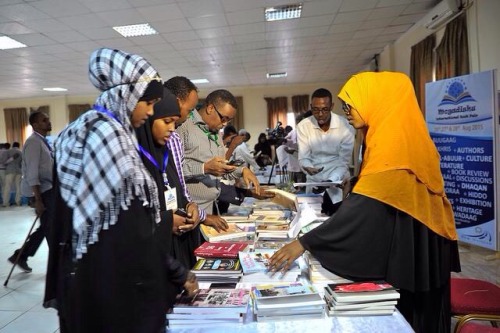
column 155, row 163
column 102, row 109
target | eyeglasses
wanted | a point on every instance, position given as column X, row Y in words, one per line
column 321, row 110
column 346, row 108
column 223, row 119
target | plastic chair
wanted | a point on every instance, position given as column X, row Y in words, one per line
column 473, row 299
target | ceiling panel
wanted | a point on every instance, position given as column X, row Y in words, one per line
column 225, row 41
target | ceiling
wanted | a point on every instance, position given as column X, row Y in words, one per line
column 224, row 41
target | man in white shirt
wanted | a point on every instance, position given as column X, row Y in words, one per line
column 325, row 143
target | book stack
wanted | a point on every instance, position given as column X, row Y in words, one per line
column 215, row 306
column 255, row 268
column 235, row 231
column 272, row 231
column 220, row 250
column 293, row 301
column 361, row 299
column 319, row 274
column 217, row 270
column 238, row 214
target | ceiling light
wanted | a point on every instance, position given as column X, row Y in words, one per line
column 135, row 30
column 276, row 75
column 9, row 43
column 285, row 12
column 55, row 89
column 200, row 81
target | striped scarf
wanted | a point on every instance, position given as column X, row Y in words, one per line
column 98, row 166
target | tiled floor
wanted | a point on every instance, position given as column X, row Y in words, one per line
column 21, row 309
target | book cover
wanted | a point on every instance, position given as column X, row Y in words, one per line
column 236, row 299
column 273, row 228
column 217, row 265
column 220, row 250
column 290, row 290
column 274, row 219
column 362, row 291
column 233, row 231
column 258, row 261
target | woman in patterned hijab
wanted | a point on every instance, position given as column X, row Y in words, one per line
column 397, row 224
column 106, row 273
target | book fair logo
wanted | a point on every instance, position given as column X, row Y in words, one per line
column 457, row 103
column 456, row 93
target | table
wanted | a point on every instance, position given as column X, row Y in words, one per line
column 364, row 324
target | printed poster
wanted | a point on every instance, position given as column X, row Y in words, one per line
column 461, row 119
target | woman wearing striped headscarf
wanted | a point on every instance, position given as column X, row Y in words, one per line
column 106, row 273
column 397, row 225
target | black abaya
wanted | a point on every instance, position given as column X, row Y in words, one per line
column 369, row 240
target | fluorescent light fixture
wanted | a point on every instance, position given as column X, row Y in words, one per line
column 7, row 43
column 200, row 81
column 285, row 12
column 275, row 75
column 135, row 30
column 55, row 89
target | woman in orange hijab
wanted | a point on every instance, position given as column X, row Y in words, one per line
column 397, row 225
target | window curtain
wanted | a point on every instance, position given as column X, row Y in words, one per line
column 75, row 110
column 238, row 122
column 300, row 104
column 452, row 54
column 421, row 67
column 16, row 123
column 276, row 111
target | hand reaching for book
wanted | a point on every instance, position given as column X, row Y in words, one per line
column 283, row 259
column 216, row 222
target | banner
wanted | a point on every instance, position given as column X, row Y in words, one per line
column 460, row 114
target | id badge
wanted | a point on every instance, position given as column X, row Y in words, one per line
column 171, row 198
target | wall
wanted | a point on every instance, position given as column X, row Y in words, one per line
column 255, row 107
column 484, row 43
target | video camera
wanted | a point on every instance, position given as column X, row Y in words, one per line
column 276, row 136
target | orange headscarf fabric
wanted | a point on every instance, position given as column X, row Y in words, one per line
column 400, row 164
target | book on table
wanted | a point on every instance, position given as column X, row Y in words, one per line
column 362, row 291
column 362, row 312
column 217, row 266
column 258, row 261
column 220, row 250
column 272, row 231
column 219, row 302
column 233, row 231
column 286, row 302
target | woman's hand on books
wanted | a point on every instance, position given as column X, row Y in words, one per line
column 283, row 259
column 216, row 222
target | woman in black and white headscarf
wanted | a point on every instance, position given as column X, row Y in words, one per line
column 106, row 272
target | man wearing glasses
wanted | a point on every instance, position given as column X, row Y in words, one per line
column 205, row 162
column 325, row 147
